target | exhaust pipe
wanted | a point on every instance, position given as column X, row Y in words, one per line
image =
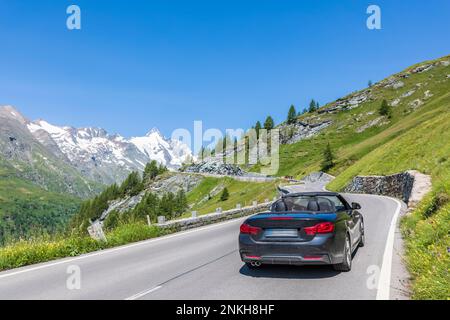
column 255, row 264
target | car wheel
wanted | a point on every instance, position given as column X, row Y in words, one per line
column 346, row 265
column 362, row 239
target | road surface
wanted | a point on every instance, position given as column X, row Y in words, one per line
column 204, row 263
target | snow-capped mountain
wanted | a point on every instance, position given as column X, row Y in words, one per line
column 173, row 153
column 110, row 158
column 97, row 155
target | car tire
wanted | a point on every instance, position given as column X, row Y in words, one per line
column 362, row 239
column 346, row 265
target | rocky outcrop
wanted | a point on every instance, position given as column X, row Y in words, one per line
column 175, row 182
column 350, row 102
column 409, row 186
column 375, row 122
column 301, row 130
column 215, row 168
column 317, row 177
column 172, row 182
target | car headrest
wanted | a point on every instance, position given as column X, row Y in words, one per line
column 280, row 206
column 313, row 205
column 326, row 205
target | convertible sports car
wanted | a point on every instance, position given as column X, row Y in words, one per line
column 312, row 228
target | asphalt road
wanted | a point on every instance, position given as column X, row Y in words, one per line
column 204, row 263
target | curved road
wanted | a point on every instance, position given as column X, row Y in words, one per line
column 204, row 263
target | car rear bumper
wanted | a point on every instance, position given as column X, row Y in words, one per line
column 320, row 251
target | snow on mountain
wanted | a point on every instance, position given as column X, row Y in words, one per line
column 171, row 153
column 110, row 158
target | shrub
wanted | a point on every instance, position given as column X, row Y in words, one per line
column 225, row 195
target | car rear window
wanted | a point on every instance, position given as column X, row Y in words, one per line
column 309, row 203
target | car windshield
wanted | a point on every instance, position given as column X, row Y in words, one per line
column 310, row 203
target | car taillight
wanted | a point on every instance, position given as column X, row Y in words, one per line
column 324, row 227
column 247, row 229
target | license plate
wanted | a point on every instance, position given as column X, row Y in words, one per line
column 281, row 233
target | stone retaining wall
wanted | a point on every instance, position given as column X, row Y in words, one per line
column 409, row 186
column 189, row 223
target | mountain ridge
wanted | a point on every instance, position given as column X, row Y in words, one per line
column 98, row 155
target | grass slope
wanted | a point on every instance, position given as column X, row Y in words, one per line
column 29, row 211
column 243, row 193
column 350, row 146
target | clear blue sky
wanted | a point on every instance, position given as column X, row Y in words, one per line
column 139, row 64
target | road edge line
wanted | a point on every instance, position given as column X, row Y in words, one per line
column 143, row 293
column 49, row 264
column 384, row 281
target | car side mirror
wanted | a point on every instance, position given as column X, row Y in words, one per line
column 356, row 206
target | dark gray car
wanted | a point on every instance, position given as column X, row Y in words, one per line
column 312, row 228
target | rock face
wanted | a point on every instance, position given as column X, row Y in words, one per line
column 175, row 182
column 350, row 102
column 28, row 158
column 317, row 177
column 375, row 122
column 172, row 182
column 292, row 133
column 215, row 168
column 404, row 186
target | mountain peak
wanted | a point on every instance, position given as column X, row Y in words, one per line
column 11, row 112
column 154, row 131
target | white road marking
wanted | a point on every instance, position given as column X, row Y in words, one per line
column 112, row 250
column 143, row 293
column 384, row 283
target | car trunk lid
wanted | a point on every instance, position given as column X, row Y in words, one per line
column 287, row 227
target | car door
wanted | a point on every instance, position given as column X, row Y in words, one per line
column 353, row 223
column 356, row 226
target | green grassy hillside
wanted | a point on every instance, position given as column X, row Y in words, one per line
column 29, row 211
column 240, row 192
column 350, row 145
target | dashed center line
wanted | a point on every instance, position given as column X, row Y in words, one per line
column 146, row 292
column 143, row 293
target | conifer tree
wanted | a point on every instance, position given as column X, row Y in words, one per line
column 385, row 109
column 328, row 158
column 292, row 115
column 225, row 195
column 269, row 123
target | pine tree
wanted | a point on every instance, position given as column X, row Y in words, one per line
column 269, row 123
column 151, row 170
column 162, row 169
column 112, row 221
column 181, row 203
column 257, row 128
column 385, row 109
column 225, row 195
column 328, row 158
column 167, row 205
column 312, row 106
column 132, row 185
column 292, row 115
